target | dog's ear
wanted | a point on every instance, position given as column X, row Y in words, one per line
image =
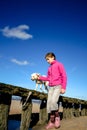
column 33, row 74
column 37, row 74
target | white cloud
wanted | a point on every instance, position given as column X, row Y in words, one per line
column 17, row 32
column 19, row 62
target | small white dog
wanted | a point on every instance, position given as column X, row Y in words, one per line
column 39, row 82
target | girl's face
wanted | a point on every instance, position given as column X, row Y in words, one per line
column 50, row 59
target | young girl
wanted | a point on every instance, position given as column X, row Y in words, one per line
column 57, row 78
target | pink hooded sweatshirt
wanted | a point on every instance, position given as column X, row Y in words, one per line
column 56, row 75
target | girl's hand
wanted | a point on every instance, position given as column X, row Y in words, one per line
column 62, row 91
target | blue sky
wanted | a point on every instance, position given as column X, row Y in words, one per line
column 31, row 28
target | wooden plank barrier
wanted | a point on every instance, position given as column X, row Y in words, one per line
column 68, row 107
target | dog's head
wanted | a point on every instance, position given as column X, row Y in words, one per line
column 34, row 76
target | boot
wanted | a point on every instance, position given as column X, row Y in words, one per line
column 51, row 122
column 57, row 119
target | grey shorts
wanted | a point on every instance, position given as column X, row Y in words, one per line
column 53, row 97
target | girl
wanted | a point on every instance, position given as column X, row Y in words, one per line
column 57, row 78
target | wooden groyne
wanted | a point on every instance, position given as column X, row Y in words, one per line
column 68, row 107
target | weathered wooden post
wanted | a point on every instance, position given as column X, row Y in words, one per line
column 26, row 112
column 65, row 109
column 69, row 110
column 83, row 110
column 86, row 109
column 60, row 107
column 78, row 112
column 5, row 101
column 43, row 116
column 60, row 110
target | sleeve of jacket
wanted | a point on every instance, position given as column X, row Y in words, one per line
column 43, row 78
column 63, row 76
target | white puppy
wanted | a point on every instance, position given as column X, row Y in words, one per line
column 34, row 77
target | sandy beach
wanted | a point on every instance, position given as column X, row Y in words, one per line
column 76, row 123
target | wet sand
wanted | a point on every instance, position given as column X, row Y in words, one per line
column 77, row 123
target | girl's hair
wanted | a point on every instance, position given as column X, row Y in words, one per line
column 50, row 54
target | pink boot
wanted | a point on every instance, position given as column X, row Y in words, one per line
column 57, row 122
column 51, row 124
